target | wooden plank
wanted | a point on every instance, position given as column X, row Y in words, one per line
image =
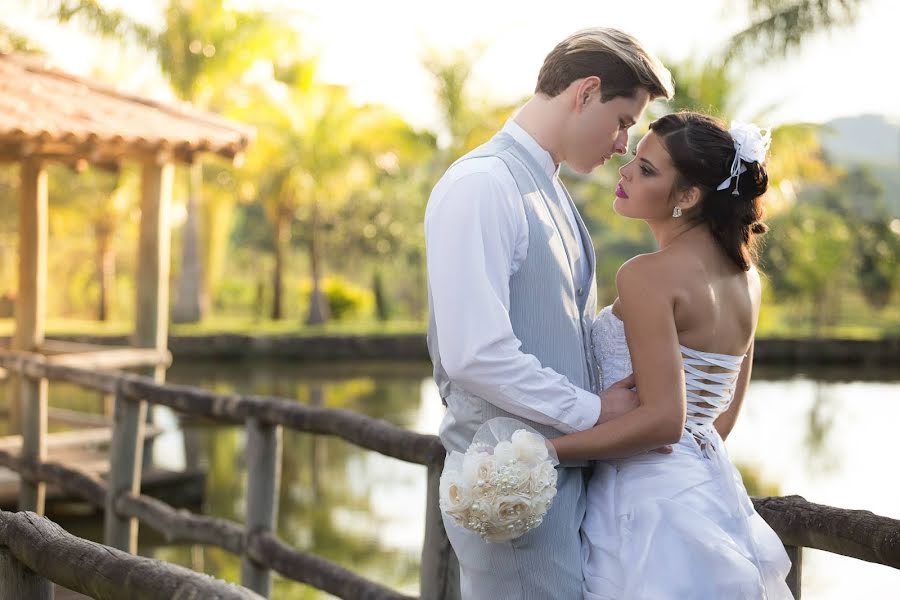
column 50, row 347
column 63, row 440
column 76, row 417
column 263, row 483
column 126, row 459
column 113, row 358
column 18, row 582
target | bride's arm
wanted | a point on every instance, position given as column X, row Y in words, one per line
column 648, row 313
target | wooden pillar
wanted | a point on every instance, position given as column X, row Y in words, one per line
column 125, row 452
column 263, row 483
column 795, row 553
column 152, row 315
column 18, row 582
column 150, row 331
column 28, row 398
column 439, row 573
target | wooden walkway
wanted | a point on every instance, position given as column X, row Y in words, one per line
column 88, row 451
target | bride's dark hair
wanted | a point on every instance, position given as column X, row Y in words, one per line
column 702, row 151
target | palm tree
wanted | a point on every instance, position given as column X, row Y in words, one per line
column 203, row 49
column 467, row 121
column 316, row 150
column 712, row 87
column 780, row 26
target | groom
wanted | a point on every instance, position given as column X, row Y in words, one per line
column 512, row 293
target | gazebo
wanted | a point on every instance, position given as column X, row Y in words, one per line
column 49, row 115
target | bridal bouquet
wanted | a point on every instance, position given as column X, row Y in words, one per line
column 504, row 483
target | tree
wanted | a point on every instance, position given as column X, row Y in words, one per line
column 467, row 122
column 317, row 152
column 809, row 255
column 203, row 49
column 779, row 27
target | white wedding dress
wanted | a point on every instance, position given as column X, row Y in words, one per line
column 677, row 526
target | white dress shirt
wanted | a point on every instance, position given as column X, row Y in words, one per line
column 476, row 238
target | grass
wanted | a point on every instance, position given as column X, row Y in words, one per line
column 776, row 321
column 226, row 324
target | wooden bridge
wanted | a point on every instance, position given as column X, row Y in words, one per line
column 35, row 550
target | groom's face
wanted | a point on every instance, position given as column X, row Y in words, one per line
column 601, row 129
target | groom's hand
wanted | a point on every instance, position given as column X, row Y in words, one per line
column 618, row 399
column 621, row 398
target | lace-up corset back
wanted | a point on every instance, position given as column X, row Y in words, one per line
column 709, row 378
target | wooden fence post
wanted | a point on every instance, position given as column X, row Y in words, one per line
column 125, row 459
column 18, row 582
column 795, row 553
column 33, row 395
column 263, row 458
column 439, row 573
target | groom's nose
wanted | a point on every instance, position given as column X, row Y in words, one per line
column 621, row 145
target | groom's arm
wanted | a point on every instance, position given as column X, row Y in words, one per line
column 476, row 237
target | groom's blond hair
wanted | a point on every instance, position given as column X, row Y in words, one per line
column 619, row 60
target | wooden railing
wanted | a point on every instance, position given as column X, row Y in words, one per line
column 35, row 551
column 858, row 534
column 263, row 418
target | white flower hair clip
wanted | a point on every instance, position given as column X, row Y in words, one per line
column 750, row 144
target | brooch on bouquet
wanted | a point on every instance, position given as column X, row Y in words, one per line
column 504, row 483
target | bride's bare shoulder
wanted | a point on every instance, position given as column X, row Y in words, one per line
column 645, row 271
column 651, row 264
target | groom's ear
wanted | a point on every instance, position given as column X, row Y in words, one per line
column 585, row 89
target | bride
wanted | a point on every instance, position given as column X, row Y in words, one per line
column 680, row 525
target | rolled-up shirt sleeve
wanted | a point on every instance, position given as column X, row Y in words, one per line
column 476, row 237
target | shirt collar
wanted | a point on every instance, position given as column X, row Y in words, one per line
column 530, row 144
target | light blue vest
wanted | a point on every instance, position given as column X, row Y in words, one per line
column 550, row 310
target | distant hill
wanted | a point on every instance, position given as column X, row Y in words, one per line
column 872, row 140
column 866, row 138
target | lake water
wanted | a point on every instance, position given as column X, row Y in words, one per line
column 824, row 434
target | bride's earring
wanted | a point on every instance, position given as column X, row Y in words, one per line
column 677, row 212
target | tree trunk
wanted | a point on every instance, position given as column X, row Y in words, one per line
column 190, row 306
column 282, row 239
column 106, row 270
column 318, row 306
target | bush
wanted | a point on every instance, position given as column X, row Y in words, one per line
column 346, row 300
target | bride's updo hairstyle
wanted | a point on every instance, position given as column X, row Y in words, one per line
column 703, row 153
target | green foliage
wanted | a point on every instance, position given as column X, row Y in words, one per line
column 809, row 256
column 346, row 301
column 779, row 27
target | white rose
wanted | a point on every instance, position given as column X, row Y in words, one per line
column 455, row 497
column 511, row 509
column 543, row 476
column 477, row 467
column 530, row 447
column 504, row 452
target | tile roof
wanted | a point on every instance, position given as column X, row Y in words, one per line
column 45, row 111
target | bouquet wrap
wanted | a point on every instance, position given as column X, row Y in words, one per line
column 504, row 483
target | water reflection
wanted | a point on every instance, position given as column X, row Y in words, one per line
column 824, row 434
column 356, row 508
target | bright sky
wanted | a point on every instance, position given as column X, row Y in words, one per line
column 375, row 48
